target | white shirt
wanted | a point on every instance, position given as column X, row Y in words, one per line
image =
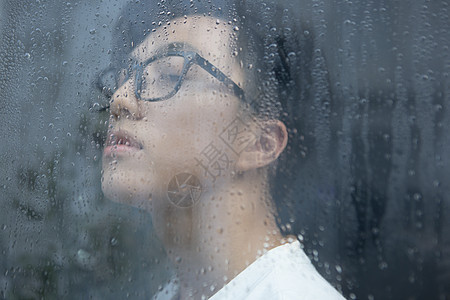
column 283, row 273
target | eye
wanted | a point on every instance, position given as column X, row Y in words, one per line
column 160, row 77
column 104, row 108
column 107, row 82
column 173, row 78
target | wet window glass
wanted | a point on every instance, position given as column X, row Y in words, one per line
column 224, row 149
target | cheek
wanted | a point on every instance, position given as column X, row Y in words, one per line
column 179, row 133
column 194, row 130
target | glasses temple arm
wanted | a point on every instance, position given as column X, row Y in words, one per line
column 214, row 71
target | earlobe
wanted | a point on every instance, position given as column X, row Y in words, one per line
column 265, row 148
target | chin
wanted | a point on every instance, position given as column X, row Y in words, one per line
column 125, row 188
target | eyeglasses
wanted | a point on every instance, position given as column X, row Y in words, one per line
column 161, row 76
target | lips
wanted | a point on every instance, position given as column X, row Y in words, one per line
column 121, row 141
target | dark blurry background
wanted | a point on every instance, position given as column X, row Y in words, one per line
column 374, row 205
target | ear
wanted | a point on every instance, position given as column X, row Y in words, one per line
column 265, row 148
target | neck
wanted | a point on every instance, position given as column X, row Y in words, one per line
column 219, row 237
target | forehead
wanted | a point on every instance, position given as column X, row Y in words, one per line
column 213, row 39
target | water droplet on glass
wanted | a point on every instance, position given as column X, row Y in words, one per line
column 114, row 242
column 382, row 265
column 417, row 196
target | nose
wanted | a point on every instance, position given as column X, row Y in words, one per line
column 124, row 102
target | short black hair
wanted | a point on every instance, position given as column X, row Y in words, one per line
column 274, row 49
column 280, row 49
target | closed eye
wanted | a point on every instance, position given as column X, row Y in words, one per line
column 103, row 109
column 96, row 108
column 170, row 77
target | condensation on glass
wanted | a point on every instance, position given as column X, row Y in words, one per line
column 362, row 89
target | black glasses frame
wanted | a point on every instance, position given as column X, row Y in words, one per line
column 190, row 58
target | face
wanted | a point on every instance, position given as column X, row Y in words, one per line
column 149, row 143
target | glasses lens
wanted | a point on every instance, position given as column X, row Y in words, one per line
column 123, row 75
column 110, row 80
column 107, row 82
column 160, row 77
